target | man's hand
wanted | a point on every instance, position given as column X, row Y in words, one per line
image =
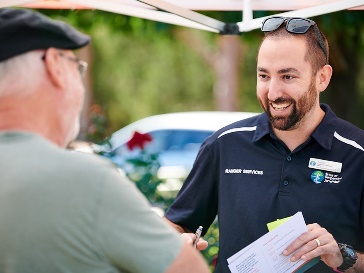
column 317, row 242
column 190, row 239
column 187, row 236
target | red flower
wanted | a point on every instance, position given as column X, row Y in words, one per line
column 214, row 261
column 138, row 140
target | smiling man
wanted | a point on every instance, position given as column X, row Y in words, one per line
column 296, row 156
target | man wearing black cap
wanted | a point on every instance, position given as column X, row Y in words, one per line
column 62, row 211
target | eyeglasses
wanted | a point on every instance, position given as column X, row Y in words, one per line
column 81, row 65
column 294, row 25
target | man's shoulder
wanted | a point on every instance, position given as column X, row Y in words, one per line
column 343, row 125
column 349, row 133
column 89, row 165
column 50, row 159
column 87, row 160
column 245, row 127
column 340, row 125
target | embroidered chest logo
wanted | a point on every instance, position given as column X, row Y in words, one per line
column 319, row 176
column 244, row 171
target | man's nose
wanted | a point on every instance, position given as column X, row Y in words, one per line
column 275, row 89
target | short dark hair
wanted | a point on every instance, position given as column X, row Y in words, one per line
column 315, row 54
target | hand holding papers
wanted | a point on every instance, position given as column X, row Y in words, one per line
column 265, row 254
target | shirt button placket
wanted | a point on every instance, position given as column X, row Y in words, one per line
column 285, row 182
column 285, row 189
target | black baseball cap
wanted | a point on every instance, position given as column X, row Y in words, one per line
column 23, row 30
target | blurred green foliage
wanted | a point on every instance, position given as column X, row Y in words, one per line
column 96, row 130
column 144, row 174
column 159, row 77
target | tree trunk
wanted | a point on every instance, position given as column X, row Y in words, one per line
column 225, row 62
column 227, row 71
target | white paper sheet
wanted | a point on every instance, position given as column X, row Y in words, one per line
column 265, row 254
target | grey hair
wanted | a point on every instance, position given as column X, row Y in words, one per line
column 19, row 74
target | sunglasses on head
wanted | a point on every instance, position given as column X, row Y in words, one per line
column 293, row 25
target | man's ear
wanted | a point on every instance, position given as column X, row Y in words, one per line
column 324, row 77
column 53, row 65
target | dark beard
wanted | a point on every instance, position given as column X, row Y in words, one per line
column 285, row 123
column 300, row 109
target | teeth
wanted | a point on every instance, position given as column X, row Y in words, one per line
column 280, row 107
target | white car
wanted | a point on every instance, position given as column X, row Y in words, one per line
column 176, row 138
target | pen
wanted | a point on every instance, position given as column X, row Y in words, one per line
column 197, row 236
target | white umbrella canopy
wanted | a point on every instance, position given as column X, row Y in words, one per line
column 185, row 12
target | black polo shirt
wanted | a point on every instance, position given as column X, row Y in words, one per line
column 248, row 177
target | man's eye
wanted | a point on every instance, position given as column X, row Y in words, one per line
column 287, row 77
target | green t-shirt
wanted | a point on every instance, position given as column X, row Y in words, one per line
column 63, row 211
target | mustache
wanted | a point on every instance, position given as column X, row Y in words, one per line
column 281, row 100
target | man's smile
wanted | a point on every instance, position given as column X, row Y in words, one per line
column 280, row 106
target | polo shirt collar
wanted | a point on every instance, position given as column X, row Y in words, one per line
column 263, row 127
column 323, row 134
